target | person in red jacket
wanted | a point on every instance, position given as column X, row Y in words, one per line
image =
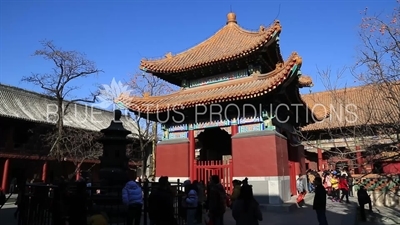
column 344, row 187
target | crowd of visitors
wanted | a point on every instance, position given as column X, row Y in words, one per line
column 335, row 185
column 198, row 202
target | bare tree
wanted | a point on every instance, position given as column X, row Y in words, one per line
column 68, row 67
column 375, row 126
column 380, row 50
column 378, row 65
column 356, row 117
column 78, row 145
column 143, row 84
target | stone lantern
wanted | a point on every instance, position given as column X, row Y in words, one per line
column 114, row 162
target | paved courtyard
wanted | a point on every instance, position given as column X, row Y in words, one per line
column 383, row 216
column 337, row 213
column 7, row 212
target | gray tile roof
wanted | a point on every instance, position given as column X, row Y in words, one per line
column 31, row 106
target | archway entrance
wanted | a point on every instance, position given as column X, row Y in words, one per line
column 215, row 146
column 214, row 143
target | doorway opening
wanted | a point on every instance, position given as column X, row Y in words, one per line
column 214, row 143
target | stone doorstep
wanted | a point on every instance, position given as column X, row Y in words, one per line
column 288, row 206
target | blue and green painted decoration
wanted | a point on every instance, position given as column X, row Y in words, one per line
column 249, row 124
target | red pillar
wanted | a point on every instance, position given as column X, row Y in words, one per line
column 359, row 159
column 44, row 172
column 234, row 129
column 77, row 176
column 325, row 164
column 5, row 175
column 78, row 173
column 302, row 158
column 191, row 154
column 320, row 159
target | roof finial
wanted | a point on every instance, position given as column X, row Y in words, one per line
column 231, row 18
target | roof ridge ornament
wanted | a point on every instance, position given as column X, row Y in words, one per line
column 169, row 55
column 231, row 18
column 279, row 65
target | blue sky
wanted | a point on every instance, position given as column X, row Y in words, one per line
column 117, row 34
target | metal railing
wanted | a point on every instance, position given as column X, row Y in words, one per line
column 42, row 204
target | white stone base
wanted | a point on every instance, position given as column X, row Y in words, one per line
column 270, row 190
column 267, row 190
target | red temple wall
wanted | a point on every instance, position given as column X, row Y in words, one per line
column 283, row 156
column 29, row 169
column 259, row 156
column 311, row 165
column 172, row 158
column 296, row 156
column 391, row 167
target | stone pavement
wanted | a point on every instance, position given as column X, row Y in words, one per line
column 7, row 212
column 337, row 213
column 382, row 216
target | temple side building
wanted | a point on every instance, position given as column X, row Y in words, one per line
column 25, row 116
column 239, row 101
column 362, row 130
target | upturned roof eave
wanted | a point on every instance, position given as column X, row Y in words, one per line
column 266, row 36
column 224, row 91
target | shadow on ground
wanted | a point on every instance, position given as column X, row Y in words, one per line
column 337, row 214
column 289, row 214
column 381, row 216
column 7, row 216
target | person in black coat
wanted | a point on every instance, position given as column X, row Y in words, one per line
column 319, row 204
column 77, row 210
column 363, row 198
column 161, row 204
